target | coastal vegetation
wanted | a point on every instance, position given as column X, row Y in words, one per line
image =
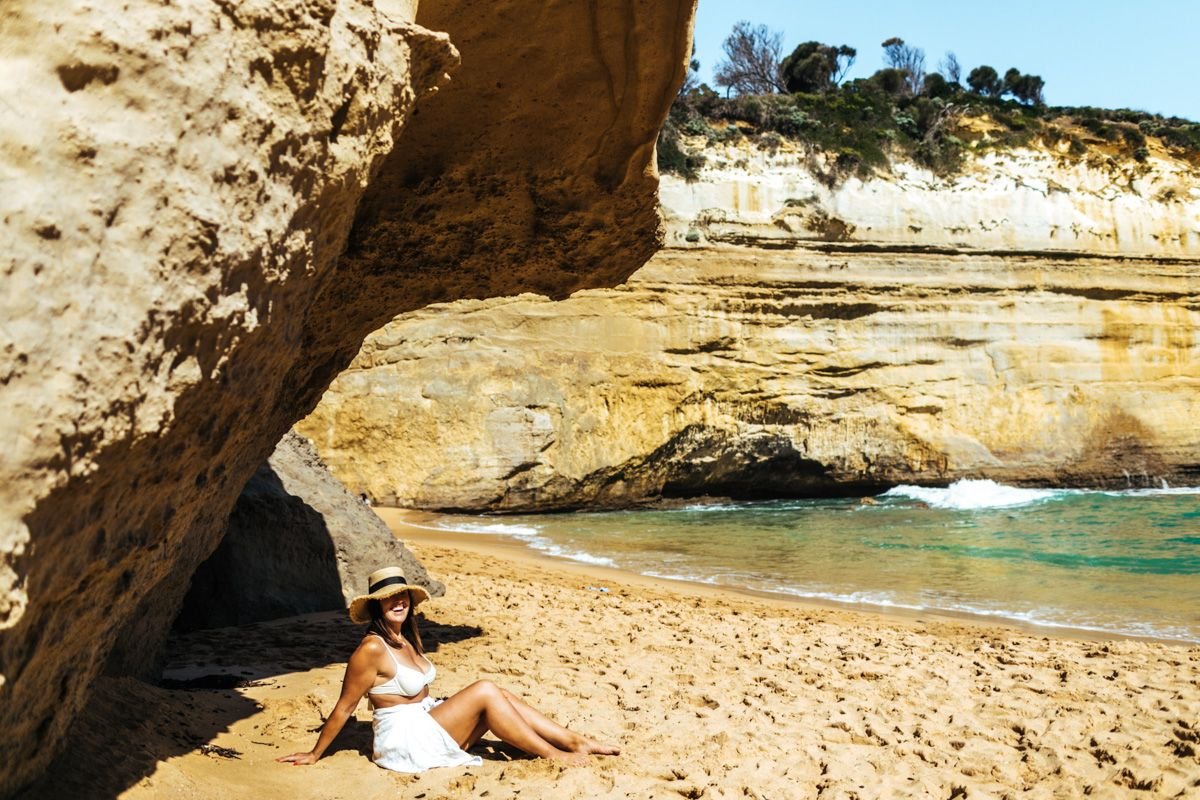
column 935, row 118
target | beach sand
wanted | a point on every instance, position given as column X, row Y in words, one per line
column 711, row 694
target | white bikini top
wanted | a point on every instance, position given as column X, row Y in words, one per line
column 407, row 681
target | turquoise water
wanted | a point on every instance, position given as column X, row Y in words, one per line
column 1119, row 562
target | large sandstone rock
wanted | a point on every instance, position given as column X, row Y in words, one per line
column 800, row 338
column 206, row 209
column 297, row 542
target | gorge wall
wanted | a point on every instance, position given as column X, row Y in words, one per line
column 207, row 205
column 1034, row 320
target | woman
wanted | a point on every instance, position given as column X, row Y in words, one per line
column 414, row 732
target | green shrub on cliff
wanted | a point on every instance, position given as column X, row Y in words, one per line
column 673, row 158
column 899, row 112
column 867, row 123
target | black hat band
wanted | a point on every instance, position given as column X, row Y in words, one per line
column 398, row 579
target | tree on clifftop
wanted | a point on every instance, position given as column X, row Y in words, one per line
column 815, row 67
column 908, row 59
column 1026, row 88
column 936, row 85
column 986, row 81
column 950, row 68
column 752, row 60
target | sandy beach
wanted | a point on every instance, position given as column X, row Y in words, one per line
column 712, row 694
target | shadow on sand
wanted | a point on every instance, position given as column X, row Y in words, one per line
column 130, row 727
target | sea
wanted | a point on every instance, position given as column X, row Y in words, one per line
column 1125, row 563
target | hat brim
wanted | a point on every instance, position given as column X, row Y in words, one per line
column 358, row 606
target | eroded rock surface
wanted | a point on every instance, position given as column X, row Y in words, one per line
column 1033, row 200
column 297, row 542
column 762, row 356
column 190, row 259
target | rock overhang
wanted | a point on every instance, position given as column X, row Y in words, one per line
column 211, row 222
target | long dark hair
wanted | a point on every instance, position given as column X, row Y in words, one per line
column 408, row 628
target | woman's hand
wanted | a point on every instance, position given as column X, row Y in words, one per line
column 299, row 759
column 360, row 676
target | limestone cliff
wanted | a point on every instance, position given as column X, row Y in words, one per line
column 1033, row 320
column 1033, row 200
column 207, row 205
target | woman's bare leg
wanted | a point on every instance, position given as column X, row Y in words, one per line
column 557, row 735
column 481, row 728
column 483, row 703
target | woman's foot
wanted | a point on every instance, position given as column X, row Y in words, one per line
column 592, row 747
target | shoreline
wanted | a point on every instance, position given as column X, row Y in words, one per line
column 409, row 525
column 711, row 693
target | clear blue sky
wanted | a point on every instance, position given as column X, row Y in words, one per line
column 1142, row 54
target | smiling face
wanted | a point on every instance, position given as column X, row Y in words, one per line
column 396, row 608
column 392, row 618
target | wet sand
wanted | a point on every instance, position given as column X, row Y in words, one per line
column 712, row 694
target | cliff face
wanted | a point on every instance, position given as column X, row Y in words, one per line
column 207, row 206
column 1019, row 201
column 803, row 338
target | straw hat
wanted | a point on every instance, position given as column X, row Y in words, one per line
column 384, row 583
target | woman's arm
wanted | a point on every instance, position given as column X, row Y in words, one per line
column 360, row 677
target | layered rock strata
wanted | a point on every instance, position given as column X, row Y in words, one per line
column 206, row 208
column 1026, row 201
column 297, row 542
column 806, row 337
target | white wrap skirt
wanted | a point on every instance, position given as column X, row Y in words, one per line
column 407, row 739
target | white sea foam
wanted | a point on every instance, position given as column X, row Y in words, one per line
column 693, row 507
column 494, row 528
column 1054, row 618
column 746, row 505
column 680, row 577
column 1165, row 490
column 529, row 534
column 975, row 494
column 582, row 556
column 1042, row 618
